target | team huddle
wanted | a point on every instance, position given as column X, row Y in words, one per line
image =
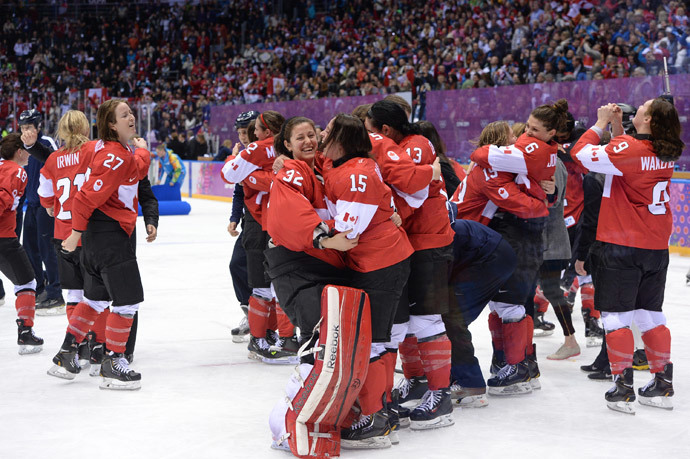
column 366, row 228
column 363, row 242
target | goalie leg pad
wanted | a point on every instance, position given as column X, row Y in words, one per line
column 320, row 407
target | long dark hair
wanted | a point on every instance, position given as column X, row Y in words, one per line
column 553, row 116
column 349, row 132
column 393, row 115
column 665, row 127
column 429, row 131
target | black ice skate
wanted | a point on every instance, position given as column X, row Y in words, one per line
column 239, row 333
column 282, row 352
column 367, row 432
column 117, row 375
column 96, row 354
column 594, row 334
column 436, row 410
column 659, row 390
column 468, row 397
column 496, row 364
column 533, row 367
column 542, row 327
column 83, row 351
column 398, row 415
column 258, row 348
column 640, row 360
column 511, row 380
column 412, row 389
column 27, row 340
column 66, row 361
column 622, row 395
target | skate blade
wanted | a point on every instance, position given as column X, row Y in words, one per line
column 368, row 443
column 26, row 349
column 594, row 341
column 254, row 356
column 292, row 360
column 404, row 422
column 513, row 389
column 84, row 364
column 472, row 401
column 665, row 403
column 240, row 338
column 535, row 384
column 95, row 370
column 393, row 436
column 542, row 333
column 442, row 421
column 58, row 311
column 282, row 446
column 60, row 372
column 622, row 407
column 114, row 384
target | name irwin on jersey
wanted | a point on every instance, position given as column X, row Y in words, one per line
column 70, row 159
column 652, row 163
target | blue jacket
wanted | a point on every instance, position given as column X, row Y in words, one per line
column 33, row 172
column 173, row 168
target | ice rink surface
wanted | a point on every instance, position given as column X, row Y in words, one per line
column 202, row 397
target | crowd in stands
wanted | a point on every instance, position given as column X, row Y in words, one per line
column 180, row 59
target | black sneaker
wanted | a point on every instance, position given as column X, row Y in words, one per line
column 601, row 375
column 622, row 394
column 66, row 361
column 367, row 432
column 511, row 380
column 27, row 340
column 640, row 360
column 594, row 367
column 435, row 410
column 50, row 307
column 542, row 327
column 412, row 389
column 659, row 390
column 117, row 375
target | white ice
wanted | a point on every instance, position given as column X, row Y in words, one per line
column 202, row 397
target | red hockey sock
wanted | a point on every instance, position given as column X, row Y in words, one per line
column 435, row 355
column 496, row 329
column 81, row 321
column 657, row 346
column 371, row 394
column 285, row 327
column 272, row 322
column 410, row 358
column 620, row 346
column 528, row 329
column 390, row 358
column 540, row 301
column 26, row 306
column 98, row 328
column 69, row 309
column 258, row 315
column 117, row 330
column 514, row 340
column 587, row 296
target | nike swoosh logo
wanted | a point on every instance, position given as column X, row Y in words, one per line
column 502, row 291
column 132, row 179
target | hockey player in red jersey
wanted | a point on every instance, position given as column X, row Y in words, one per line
column 253, row 168
column 104, row 213
column 635, row 224
column 426, row 345
column 13, row 260
column 363, row 204
column 521, row 222
column 62, row 176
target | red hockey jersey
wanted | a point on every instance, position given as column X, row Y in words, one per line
column 112, row 186
column 635, row 210
column 409, row 181
column 360, row 201
column 12, row 185
column 574, row 201
column 529, row 156
column 296, row 206
column 253, row 167
column 484, row 192
column 428, row 227
column 62, row 176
